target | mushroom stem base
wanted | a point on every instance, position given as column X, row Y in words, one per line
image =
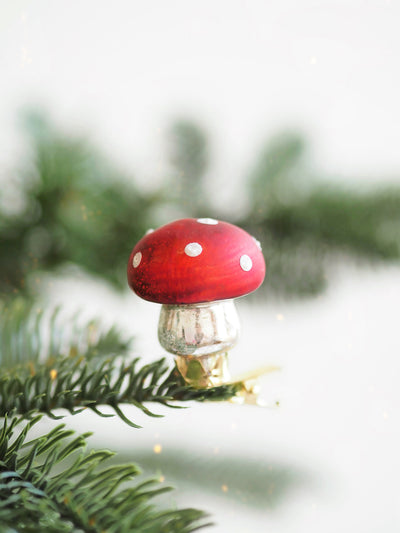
column 196, row 330
column 200, row 335
column 205, row 371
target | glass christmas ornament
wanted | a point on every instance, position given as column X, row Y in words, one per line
column 195, row 268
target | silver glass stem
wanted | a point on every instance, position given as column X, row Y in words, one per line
column 200, row 335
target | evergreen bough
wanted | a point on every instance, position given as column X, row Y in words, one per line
column 51, row 483
column 78, row 208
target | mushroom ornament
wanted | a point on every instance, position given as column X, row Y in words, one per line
column 195, row 268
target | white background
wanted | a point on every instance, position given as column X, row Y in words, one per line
column 123, row 70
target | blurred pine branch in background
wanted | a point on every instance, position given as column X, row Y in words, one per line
column 77, row 208
column 303, row 223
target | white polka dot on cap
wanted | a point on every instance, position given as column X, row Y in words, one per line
column 137, row 259
column 209, row 221
column 193, row 249
column 246, row 263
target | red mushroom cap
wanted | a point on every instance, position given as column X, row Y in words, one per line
column 192, row 261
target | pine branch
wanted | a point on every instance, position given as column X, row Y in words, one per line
column 79, row 209
column 50, row 363
column 29, row 334
column 302, row 225
column 189, row 158
column 84, row 496
column 74, row 384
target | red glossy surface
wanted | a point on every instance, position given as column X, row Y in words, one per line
column 166, row 274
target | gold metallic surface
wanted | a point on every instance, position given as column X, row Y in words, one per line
column 249, row 393
column 204, row 371
column 212, row 370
